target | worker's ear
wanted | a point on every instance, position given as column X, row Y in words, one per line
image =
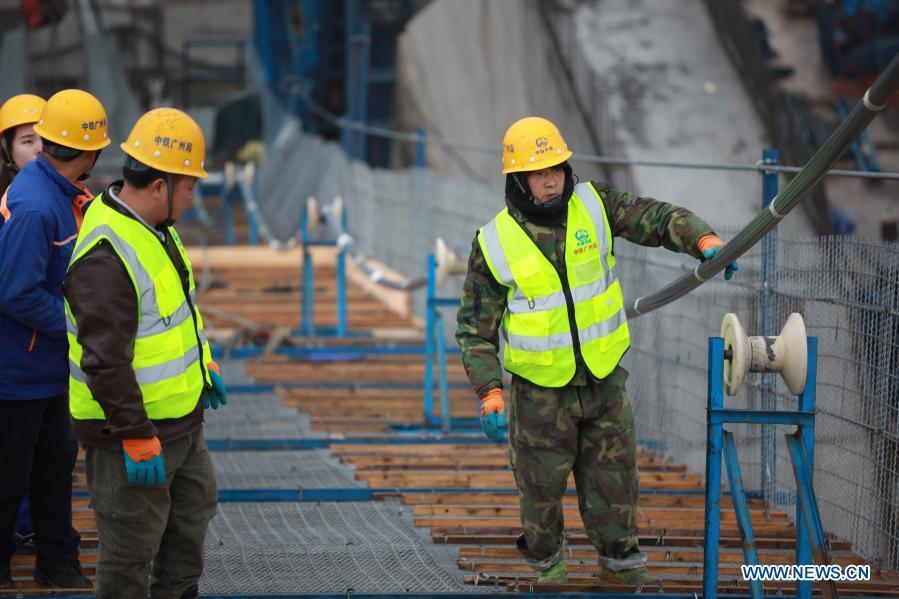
column 158, row 188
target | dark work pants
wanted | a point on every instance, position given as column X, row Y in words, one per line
column 151, row 538
column 37, row 456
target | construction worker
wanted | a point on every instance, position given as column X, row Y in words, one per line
column 543, row 271
column 19, row 145
column 37, row 449
column 141, row 369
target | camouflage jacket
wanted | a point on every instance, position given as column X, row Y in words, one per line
column 644, row 221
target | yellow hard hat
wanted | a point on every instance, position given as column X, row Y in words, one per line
column 74, row 119
column 20, row 110
column 170, row 141
column 531, row 144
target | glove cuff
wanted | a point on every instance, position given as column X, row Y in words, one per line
column 707, row 242
column 493, row 402
column 141, row 450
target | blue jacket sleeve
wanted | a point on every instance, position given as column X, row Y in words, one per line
column 25, row 244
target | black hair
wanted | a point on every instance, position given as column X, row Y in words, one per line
column 141, row 176
column 8, row 168
column 61, row 153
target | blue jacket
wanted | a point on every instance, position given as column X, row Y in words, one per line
column 35, row 246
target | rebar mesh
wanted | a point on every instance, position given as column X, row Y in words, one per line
column 250, row 416
column 282, row 470
column 846, row 290
column 321, row 547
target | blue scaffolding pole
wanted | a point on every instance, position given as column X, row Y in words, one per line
column 435, row 350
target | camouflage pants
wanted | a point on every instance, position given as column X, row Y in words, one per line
column 586, row 429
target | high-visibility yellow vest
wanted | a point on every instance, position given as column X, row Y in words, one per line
column 539, row 341
column 170, row 351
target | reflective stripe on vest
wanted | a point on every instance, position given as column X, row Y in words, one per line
column 169, row 349
column 536, row 325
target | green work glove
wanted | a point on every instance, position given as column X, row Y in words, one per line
column 217, row 396
column 144, row 464
column 710, row 245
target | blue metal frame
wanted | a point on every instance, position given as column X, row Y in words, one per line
column 435, row 349
column 307, row 288
column 807, row 507
column 228, row 213
column 445, row 416
column 741, row 506
column 719, row 441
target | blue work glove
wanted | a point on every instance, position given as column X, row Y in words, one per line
column 144, row 463
column 709, row 252
column 493, row 415
column 217, row 396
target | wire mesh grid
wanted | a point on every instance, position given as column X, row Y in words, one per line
column 321, row 547
column 846, row 291
column 251, row 416
column 281, row 469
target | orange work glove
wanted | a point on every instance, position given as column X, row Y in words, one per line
column 709, row 246
column 144, row 463
column 493, row 402
column 493, row 415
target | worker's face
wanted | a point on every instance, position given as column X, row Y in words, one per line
column 184, row 195
column 26, row 145
column 547, row 183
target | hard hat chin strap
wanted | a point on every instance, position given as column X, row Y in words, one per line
column 170, row 192
column 87, row 175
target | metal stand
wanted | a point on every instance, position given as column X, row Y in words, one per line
column 809, row 532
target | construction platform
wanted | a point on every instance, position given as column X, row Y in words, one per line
column 329, row 484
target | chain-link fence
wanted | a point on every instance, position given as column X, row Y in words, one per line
column 846, row 290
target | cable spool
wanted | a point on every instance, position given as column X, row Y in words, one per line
column 448, row 262
column 786, row 353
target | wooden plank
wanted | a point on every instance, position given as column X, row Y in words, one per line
column 508, row 537
column 570, row 511
column 494, row 479
column 450, row 462
column 675, row 554
column 511, row 500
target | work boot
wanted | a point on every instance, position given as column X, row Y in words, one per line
column 61, row 575
column 6, row 581
column 556, row 574
column 629, row 570
column 638, row 576
column 191, row 593
column 24, row 543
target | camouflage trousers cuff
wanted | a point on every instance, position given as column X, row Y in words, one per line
column 631, row 562
column 546, row 563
